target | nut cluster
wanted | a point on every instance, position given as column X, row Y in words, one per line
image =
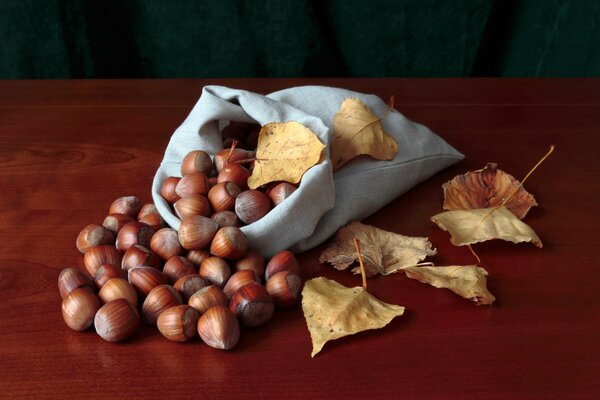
column 203, row 279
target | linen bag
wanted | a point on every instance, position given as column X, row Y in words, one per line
column 324, row 201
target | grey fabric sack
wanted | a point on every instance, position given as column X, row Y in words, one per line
column 324, row 201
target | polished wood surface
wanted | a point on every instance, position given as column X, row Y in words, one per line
column 68, row 148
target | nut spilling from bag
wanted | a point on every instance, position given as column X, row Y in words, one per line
column 138, row 269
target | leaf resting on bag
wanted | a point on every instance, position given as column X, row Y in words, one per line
column 468, row 281
column 285, row 151
column 333, row 311
column 383, row 252
column 479, row 225
column 357, row 130
column 487, row 187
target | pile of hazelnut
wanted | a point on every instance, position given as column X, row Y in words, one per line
column 203, row 279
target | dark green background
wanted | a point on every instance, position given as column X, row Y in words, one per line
column 278, row 38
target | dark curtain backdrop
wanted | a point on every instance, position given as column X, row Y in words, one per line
column 277, row 38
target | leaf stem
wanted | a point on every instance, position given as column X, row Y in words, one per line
column 233, row 144
column 528, row 174
column 474, row 254
column 362, row 266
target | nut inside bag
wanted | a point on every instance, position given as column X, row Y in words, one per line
column 324, row 201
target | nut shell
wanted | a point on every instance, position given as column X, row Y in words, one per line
column 154, row 221
column 114, row 222
column 226, row 218
column 231, row 156
column 99, row 255
column 158, row 300
column 70, row 279
column 222, row 196
column 229, row 242
column 285, row 288
column 179, row 323
column 193, row 204
column 165, row 243
column 134, row 233
column 93, row 235
column 118, row 288
column 235, row 173
column 117, row 321
column 238, row 280
column 279, row 192
column 215, row 270
column 197, row 256
column 79, row 308
column 196, row 231
column 208, row 297
column 106, row 272
column 139, row 256
column 252, row 304
column 196, row 161
column 177, row 267
column 188, row 285
column 144, row 279
column 129, row 205
column 219, row 328
column 252, row 205
column 167, row 189
column 194, row 183
column 253, row 261
column 282, row 261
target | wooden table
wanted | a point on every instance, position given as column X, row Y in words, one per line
column 68, row 148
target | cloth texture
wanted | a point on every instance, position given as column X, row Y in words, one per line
column 324, row 201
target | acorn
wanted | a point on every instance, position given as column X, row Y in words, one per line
column 222, row 196
column 196, row 231
column 94, row 235
column 144, row 279
column 165, row 243
column 252, row 205
column 215, row 271
column 134, row 233
column 167, row 189
column 253, row 261
column 207, row 297
column 197, row 161
column 129, row 205
column 79, row 308
column 282, row 261
column 177, row 267
column 99, row 255
column 252, row 304
column 194, row 183
column 285, row 288
column 193, row 204
column 70, row 279
column 114, row 222
column 179, row 323
column 219, row 328
column 188, row 285
column 238, row 280
column 158, row 300
column 106, row 272
column 117, row 288
column 229, row 242
column 117, row 320
column 139, row 256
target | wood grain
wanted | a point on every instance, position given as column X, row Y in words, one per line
column 68, row 148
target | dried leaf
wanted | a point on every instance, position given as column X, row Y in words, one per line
column 285, row 151
column 333, row 311
column 383, row 252
column 487, row 187
column 468, row 281
column 479, row 225
column 357, row 130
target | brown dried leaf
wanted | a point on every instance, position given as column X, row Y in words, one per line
column 383, row 252
column 285, row 151
column 479, row 225
column 468, row 281
column 333, row 311
column 485, row 188
column 357, row 130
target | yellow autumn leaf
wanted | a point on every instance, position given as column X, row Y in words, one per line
column 357, row 130
column 285, row 151
column 333, row 311
column 481, row 224
column 383, row 252
column 468, row 281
